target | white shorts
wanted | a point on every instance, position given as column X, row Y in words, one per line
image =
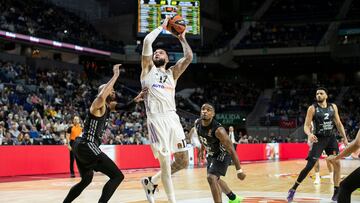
column 166, row 134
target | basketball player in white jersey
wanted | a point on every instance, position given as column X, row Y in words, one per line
column 165, row 131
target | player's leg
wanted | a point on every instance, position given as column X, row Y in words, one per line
column 317, row 172
column 165, row 165
column 331, row 171
column 226, row 190
column 337, row 173
column 175, row 143
column 312, row 158
column 181, row 161
column 218, row 167
column 349, row 185
column 213, row 181
column 109, row 168
column 72, row 160
column 86, row 178
column 332, row 148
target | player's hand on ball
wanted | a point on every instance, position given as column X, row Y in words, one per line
column 241, row 176
column 116, row 69
column 182, row 35
column 165, row 23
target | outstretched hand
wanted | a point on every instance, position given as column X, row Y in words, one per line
column 141, row 95
column 116, row 69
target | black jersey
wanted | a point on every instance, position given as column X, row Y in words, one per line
column 94, row 127
column 323, row 120
column 207, row 137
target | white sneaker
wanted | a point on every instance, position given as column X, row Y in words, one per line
column 317, row 181
column 149, row 189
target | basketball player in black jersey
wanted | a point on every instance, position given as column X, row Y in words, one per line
column 325, row 117
column 220, row 151
column 89, row 157
column 351, row 182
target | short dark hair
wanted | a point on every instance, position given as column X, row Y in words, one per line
column 167, row 53
column 322, row 88
column 210, row 104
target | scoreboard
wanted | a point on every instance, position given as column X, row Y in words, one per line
column 152, row 12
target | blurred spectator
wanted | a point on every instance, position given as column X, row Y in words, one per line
column 272, row 35
column 8, row 140
column 243, row 140
column 227, row 95
column 43, row 19
column 26, row 140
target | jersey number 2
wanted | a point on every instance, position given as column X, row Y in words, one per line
column 326, row 116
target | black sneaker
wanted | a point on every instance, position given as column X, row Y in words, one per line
column 335, row 196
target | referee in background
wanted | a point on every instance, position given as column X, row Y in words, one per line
column 72, row 133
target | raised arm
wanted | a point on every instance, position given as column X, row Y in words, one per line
column 222, row 135
column 307, row 126
column 339, row 125
column 114, row 106
column 184, row 62
column 147, row 51
column 100, row 100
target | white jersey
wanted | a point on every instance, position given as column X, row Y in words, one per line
column 161, row 93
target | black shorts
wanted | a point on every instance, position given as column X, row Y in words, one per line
column 87, row 154
column 218, row 165
column 329, row 144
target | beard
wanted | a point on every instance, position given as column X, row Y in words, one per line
column 159, row 62
column 320, row 100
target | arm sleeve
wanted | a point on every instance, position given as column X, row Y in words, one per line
column 149, row 39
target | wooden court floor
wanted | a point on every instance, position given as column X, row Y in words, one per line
column 265, row 182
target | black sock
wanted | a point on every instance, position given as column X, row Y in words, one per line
column 336, row 189
column 295, row 185
column 231, row 196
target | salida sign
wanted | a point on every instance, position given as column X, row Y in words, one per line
column 230, row 118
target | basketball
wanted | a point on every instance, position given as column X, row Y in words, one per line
column 176, row 25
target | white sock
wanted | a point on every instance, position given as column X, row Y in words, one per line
column 156, row 178
column 165, row 164
column 317, row 176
